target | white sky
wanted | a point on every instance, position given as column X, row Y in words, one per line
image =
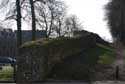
column 91, row 14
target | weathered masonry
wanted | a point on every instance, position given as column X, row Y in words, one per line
column 38, row 57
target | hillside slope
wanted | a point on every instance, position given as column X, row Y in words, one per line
column 62, row 58
column 82, row 65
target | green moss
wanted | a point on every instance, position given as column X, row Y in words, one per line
column 108, row 56
column 49, row 42
column 37, row 42
column 100, row 54
column 71, row 52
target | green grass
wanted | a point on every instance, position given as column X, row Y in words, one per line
column 6, row 73
column 100, row 54
column 108, row 56
column 50, row 42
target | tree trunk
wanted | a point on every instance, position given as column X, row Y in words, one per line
column 51, row 24
column 33, row 20
column 19, row 35
column 60, row 24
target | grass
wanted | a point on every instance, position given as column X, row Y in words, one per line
column 50, row 42
column 100, row 54
column 108, row 56
column 6, row 74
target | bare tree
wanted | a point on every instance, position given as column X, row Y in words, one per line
column 48, row 15
column 33, row 20
column 61, row 21
column 28, row 12
column 4, row 4
column 19, row 35
column 18, row 20
column 72, row 24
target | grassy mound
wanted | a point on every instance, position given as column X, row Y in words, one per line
column 59, row 48
column 65, row 57
column 81, row 66
column 50, row 42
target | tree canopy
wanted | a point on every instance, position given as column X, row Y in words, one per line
column 115, row 15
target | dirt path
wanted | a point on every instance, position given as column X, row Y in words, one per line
column 109, row 72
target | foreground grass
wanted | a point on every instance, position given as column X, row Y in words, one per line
column 6, row 74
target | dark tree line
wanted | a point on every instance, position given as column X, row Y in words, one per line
column 116, row 15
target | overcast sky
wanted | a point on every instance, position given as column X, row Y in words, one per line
column 91, row 14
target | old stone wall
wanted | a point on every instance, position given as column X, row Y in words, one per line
column 37, row 58
column 32, row 64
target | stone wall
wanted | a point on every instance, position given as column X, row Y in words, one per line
column 37, row 58
column 98, row 38
column 32, row 64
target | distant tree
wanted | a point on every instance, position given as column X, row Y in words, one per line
column 72, row 24
column 116, row 19
column 49, row 16
column 59, row 26
column 60, row 20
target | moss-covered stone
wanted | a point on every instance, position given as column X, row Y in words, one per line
column 32, row 64
column 38, row 57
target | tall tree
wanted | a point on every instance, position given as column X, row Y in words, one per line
column 18, row 20
column 33, row 20
column 48, row 15
column 116, row 16
column 17, row 14
column 19, row 35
